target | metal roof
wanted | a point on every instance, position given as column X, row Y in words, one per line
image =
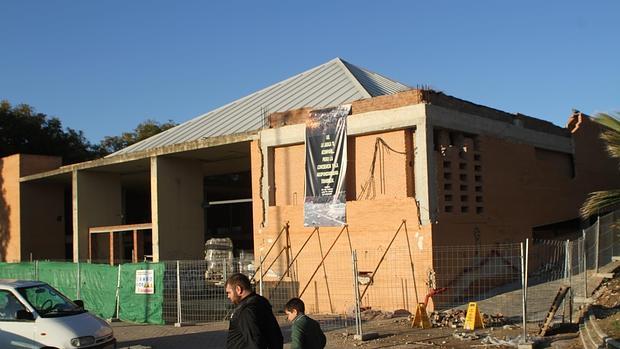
column 332, row 83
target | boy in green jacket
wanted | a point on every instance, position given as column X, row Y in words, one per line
column 306, row 332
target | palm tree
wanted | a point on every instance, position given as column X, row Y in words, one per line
column 600, row 200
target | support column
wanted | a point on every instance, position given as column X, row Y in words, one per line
column 177, row 212
column 96, row 202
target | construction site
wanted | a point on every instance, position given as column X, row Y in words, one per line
column 447, row 202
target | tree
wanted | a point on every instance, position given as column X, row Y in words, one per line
column 144, row 130
column 600, row 200
column 23, row 130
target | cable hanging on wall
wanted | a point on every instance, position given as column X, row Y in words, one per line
column 369, row 191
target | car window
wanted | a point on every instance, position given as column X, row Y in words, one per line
column 47, row 301
column 9, row 305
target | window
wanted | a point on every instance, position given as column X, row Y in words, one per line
column 9, row 305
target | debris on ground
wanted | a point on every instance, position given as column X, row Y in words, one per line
column 455, row 318
column 508, row 341
column 466, row 336
column 370, row 314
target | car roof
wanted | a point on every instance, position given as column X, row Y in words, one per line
column 19, row 283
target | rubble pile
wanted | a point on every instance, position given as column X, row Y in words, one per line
column 455, row 318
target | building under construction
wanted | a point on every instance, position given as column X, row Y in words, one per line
column 424, row 169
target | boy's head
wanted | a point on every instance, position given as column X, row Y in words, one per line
column 293, row 308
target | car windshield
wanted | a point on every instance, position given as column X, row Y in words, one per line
column 48, row 302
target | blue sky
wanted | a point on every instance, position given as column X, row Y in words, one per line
column 103, row 67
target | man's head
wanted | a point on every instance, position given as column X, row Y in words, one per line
column 238, row 287
column 293, row 308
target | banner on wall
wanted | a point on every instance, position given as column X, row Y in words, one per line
column 326, row 167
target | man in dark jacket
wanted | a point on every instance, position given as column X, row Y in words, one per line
column 306, row 332
column 252, row 324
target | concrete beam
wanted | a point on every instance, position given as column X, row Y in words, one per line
column 144, row 154
column 455, row 120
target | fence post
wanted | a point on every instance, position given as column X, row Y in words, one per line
column 569, row 257
column 260, row 276
column 523, row 288
column 585, row 266
column 596, row 243
column 79, row 281
column 118, row 288
column 356, row 291
column 178, row 323
column 36, row 270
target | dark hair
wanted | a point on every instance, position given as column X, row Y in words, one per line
column 295, row 303
column 240, row 280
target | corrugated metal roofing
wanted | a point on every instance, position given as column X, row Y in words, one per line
column 333, row 83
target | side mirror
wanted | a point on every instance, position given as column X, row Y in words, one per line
column 79, row 303
column 24, row 315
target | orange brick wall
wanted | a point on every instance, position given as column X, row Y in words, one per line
column 372, row 222
column 520, row 187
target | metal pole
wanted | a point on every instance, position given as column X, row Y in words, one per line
column 225, row 271
column 523, row 290
column 118, row 287
column 596, row 243
column 585, row 267
column 178, row 324
column 356, row 290
column 527, row 269
column 260, row 276
column 79, row 281
column 569, row 254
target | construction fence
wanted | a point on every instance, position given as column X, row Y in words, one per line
column 343, row 288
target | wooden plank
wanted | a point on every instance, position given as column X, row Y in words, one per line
column 557, row 301
column 135, row 246
column 111, row 248
column 117, row 228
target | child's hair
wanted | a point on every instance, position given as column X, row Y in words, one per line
column 295, row 303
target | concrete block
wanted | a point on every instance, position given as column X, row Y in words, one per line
column 583, row 300
column 605, row 275
column 366, row 336
column 183, row 324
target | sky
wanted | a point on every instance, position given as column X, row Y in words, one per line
column 105, row 66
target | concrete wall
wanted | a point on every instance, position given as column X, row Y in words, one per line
column 17, row 219
column 96, row 202
column 176, row 204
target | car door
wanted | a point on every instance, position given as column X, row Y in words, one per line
column 14, row 333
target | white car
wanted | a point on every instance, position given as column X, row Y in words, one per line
column 35, row 315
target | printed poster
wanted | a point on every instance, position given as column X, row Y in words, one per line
column 145, row 282
column 326, row 167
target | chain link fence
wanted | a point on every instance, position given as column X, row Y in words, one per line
column 385, row 282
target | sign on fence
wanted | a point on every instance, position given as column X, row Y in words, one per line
column 145, row 282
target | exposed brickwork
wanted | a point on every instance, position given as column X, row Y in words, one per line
column 417, row 96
